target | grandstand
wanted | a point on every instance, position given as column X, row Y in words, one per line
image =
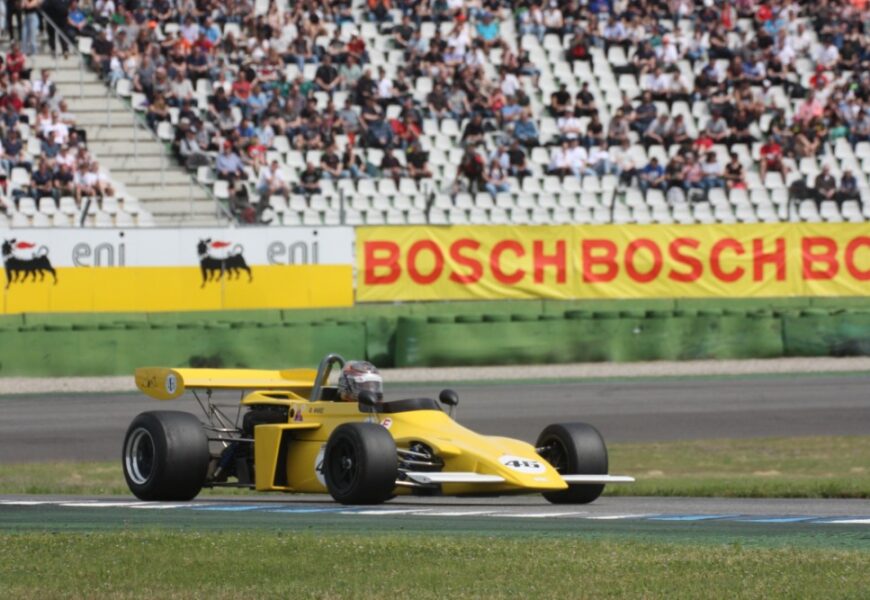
column 304, row 113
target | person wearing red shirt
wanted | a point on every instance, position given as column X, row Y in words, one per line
column 819, row 80
column 15, row 60
column 241, row 90
column 357, row 47
column 771, row 159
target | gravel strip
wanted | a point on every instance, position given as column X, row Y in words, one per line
column 124, row 383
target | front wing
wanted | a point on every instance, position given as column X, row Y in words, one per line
column 471, row 477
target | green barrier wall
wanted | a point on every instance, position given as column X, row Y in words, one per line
column 446, row 333
column 92, row 350
column 585, row 337
column 820, row 332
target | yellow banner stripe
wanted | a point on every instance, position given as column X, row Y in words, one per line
column 132, row 289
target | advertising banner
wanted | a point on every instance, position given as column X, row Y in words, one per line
column 612, row 261
column 72, row 270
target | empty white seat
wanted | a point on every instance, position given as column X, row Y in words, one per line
column 109, row 205
column 124, row 219
column 745, row 213
column 103, row 220
column 47, row 205
column 27, row 206
column 829, row 211
column 807, row 211
column 40, row 220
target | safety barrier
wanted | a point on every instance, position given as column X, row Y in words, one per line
column 588, row 336
column 117, row 348
column 417, row 334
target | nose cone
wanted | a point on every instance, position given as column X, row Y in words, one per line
column 529, row 472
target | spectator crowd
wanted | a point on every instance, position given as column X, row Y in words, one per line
column 713, row 92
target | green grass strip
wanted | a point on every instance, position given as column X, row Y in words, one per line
column 795, row 467
column 215, row 565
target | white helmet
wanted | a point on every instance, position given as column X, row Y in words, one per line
column 358, row 376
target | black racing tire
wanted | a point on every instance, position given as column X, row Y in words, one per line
column 165, row 456
column 360, row 464
column 574, row 449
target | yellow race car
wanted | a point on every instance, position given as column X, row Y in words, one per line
column 294, row 434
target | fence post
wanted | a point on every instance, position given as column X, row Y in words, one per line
column 341, row 211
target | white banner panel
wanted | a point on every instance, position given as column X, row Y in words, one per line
column 181, row 247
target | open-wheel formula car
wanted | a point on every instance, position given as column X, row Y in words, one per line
column 294, row 434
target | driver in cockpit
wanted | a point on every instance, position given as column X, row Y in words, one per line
column 358, row 376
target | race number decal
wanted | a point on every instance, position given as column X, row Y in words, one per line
column 171, row 384
column 522, row 465
column 318, row 466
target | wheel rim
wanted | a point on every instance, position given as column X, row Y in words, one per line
column 343, row 466
column 139, row 456
column 555, row 454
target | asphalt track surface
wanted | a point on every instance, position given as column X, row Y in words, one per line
column 47, row 427
column 54, row 426
column 830, row 523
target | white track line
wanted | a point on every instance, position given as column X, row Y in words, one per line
column 161, row 506
column 375, row 512
column 460, row 513
column 543, row 515
column 99, row 504
column 847, row 522
column 617, row 517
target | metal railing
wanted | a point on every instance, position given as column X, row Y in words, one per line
column 111, row 92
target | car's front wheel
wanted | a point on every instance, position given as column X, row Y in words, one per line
column 165, row 456
column 574, row 449
column 360, row 464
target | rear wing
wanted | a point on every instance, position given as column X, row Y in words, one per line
column 167, row 384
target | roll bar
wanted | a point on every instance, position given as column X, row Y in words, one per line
column 323, row 372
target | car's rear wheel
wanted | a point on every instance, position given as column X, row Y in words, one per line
column 165, row 456
column 574, row 449
column 360, row 464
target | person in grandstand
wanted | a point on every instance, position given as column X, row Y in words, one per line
column 272, row 183
column 496, row 178
column 848, row 189
column 734, row 176
column 470, row 170
column 600, row 161
column 825, row 187
column 651, row 176
column 309, row 181
column 228, row 164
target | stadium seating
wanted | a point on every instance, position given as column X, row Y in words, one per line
column 546, row 59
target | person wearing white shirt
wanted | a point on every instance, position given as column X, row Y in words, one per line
column 553, row 20
column 190, row 30
column 58, row 128
column 600, row 162
column 577, row 157
column 43, row 86
column 65, row 157
column 786, row 54
column 509, row 83
column 828, row 56
column 559, row 164
column 658, row 82
column 569, row 127
column 667, row 52
column 386, row 93
column 271, row 182
column 801, row 40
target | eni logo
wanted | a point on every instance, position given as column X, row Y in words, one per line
column 171, row 383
